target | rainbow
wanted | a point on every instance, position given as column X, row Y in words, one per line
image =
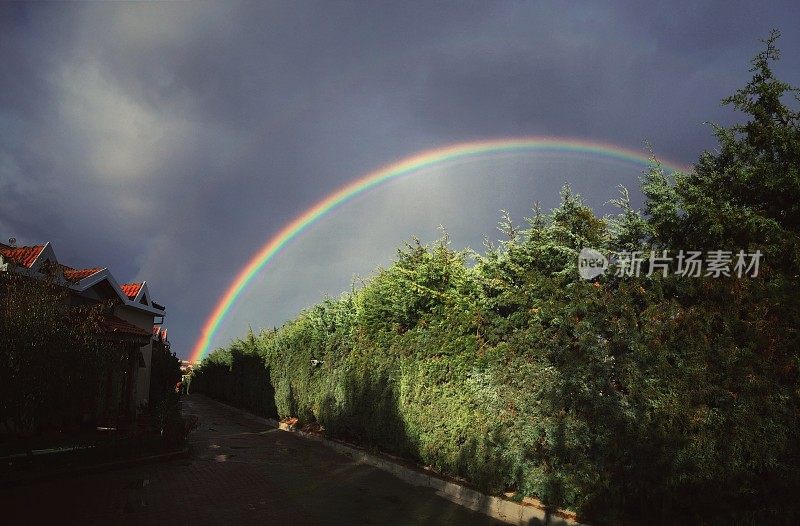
column 395, row 170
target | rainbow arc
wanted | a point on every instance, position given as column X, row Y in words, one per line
column 404, row 167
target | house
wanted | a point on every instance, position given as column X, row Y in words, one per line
column 128, row 319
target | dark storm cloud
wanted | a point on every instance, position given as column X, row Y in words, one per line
column 624, row 75
column 168, row 141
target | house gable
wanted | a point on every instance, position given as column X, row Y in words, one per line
column 92, row 283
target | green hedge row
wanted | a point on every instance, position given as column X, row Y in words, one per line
column 239, row 376
column 654, row 399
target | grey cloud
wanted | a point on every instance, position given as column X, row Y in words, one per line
column 169, row 141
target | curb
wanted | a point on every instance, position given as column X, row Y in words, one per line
column 107, row 466
column 530, row 511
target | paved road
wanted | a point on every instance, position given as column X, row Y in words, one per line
column 240, row 472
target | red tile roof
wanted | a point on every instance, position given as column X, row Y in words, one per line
column 24, row 256
column 114, row 325
column 77, row 274
column 131, row 289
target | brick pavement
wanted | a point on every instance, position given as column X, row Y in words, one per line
column 240, row 472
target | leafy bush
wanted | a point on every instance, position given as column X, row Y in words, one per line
column 168, row 422
column 53, row 367
column 165, row 373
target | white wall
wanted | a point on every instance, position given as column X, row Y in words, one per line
column 144, row 321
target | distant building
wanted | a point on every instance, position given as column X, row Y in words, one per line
column 130, row 318
column 187, row 366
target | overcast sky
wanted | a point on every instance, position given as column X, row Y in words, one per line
column 168, row 142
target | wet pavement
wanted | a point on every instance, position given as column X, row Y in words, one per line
column 240, row 472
